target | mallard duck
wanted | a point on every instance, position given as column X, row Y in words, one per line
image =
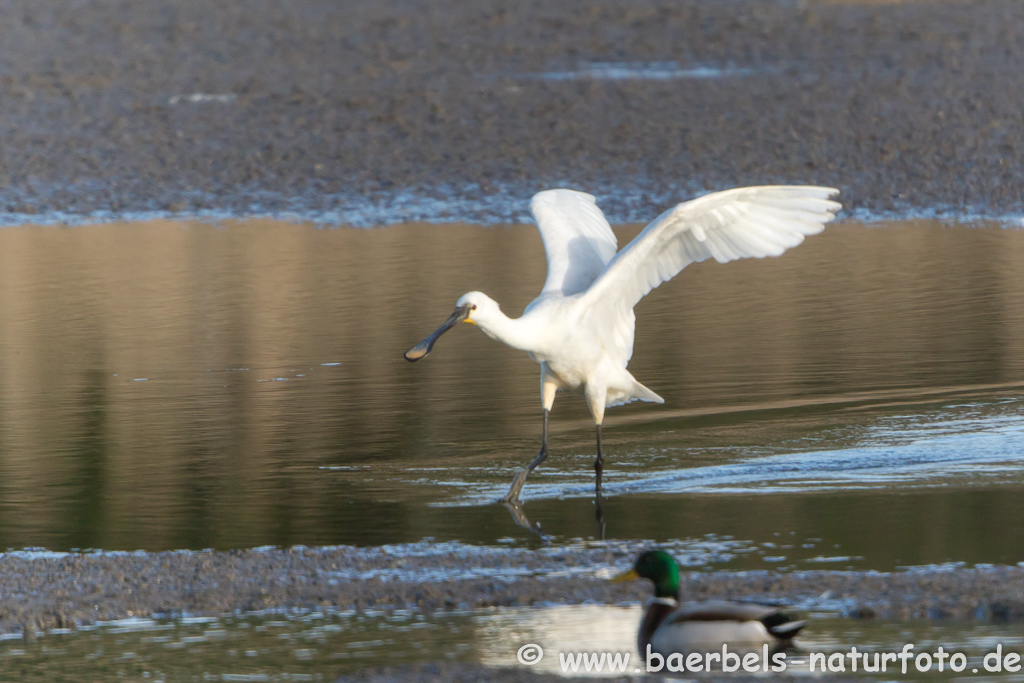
column 669, row 627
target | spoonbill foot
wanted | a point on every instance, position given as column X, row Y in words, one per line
column 517, row 484
column 515, row 508
column 512, row 497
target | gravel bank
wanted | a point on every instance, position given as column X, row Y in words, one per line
column 65, row 590
column 367, row 112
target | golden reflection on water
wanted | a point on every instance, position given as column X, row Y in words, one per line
column 172, row 384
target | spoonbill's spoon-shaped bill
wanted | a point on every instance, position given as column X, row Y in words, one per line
column 424, row 347
column 580, row 329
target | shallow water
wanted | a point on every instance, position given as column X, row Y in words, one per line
column 320, row 645
column 191, row 385
column 857, row 403
column 659, row 71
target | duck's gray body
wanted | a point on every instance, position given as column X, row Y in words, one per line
column 698, row 626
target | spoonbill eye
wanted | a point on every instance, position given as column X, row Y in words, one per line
column 473, row 307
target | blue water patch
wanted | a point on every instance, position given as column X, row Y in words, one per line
column 658, row 71
column 639, row 202
column 907, row 451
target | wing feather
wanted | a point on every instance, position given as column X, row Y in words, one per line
column 578, row 241
column 747, row 222
column 721, row 610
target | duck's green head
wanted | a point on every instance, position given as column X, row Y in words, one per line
column 659, row 567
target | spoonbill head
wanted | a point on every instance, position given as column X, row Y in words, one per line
column 580, row 329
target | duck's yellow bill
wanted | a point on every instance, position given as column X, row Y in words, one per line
column 625, row 576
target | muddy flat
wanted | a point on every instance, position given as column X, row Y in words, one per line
column 373, row 112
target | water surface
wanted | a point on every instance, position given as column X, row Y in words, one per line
column 191, row 385
column 319, row 645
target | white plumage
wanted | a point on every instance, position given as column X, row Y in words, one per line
column 580, row 329
column 578, row 241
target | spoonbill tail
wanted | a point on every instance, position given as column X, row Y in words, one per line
column 580, row 328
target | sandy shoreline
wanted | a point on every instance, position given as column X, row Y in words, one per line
column 367, row 113
column 60, row 590
column 43, row 591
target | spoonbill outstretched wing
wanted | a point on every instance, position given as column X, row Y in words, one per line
column 578, row 241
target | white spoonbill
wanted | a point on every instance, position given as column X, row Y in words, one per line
column 580, row 328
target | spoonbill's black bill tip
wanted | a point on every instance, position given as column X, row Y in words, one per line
column 415, row 353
